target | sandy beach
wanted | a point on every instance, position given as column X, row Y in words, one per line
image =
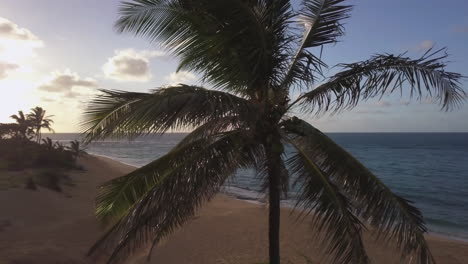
column 47, row 227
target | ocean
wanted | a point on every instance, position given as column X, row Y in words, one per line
column 430, row 169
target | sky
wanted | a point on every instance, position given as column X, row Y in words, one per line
column 58, row 53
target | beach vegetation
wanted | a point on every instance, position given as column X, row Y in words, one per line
column 24, row 128
column 76, row 149
column 22, row 148
column 38, row 121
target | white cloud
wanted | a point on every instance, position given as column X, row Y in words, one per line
column 424, row 45
column 68, row 84
column 5, row 68
column 130, row 65
column 180, row 77
column 47, row 99
column 11, row 30
column 16, row 43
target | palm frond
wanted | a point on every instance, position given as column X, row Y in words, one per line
column 331, row 209
column 216, row 126
column 386, row 73
column 321, row 23
column 158, row 198
column 124, row 114
column 304, row 71
column 392, row 216
column 225, row 41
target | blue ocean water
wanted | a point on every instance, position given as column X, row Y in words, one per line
column 430, row 169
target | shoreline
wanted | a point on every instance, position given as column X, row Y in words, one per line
column 283, row 205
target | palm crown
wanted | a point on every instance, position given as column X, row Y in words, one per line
column 76, row 149
column 24, row 125
column 254, row 54
column 39, row 121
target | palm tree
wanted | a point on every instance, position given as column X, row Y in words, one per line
column 256, row 56
column 76, row 149
column 48, row 143
column 59, row 146
column 24, row 125
column 39, row 121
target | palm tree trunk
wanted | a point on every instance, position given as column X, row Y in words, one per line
column 274, row 170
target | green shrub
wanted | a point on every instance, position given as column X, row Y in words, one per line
column 20, row 154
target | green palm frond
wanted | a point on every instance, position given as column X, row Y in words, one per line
column 391, row 215
column 222, row 40
column 304, row 71
column 215, row 126
column 385, row 74
column 331, row 209
column 156, row 199
column 321, row 23
column 119, row 113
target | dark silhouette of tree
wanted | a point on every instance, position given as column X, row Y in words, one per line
column 255, row 55
column 48, row 143
column 39, row 121
column 25, row 130
column 9, row 130
column 59, row 146
column 76, row 149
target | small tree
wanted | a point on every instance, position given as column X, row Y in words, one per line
column 39, row 121
column 75, row 149
column 25, row 130
column 48, row 143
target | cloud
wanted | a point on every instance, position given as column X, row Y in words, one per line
column 130, row 65
column 68, row 84
column 17, row 43
column 47, row 99
column 180, row 77
column 5, row 68
column 460, row 29
column 424, row 45
column 11, row 30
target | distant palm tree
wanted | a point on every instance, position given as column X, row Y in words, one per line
column 59, row 146
column 257, row 56
column 39, row 121
column 76, row 149
column 24, row 125
column 48, row 143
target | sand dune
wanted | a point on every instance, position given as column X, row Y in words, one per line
column 47, row 227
